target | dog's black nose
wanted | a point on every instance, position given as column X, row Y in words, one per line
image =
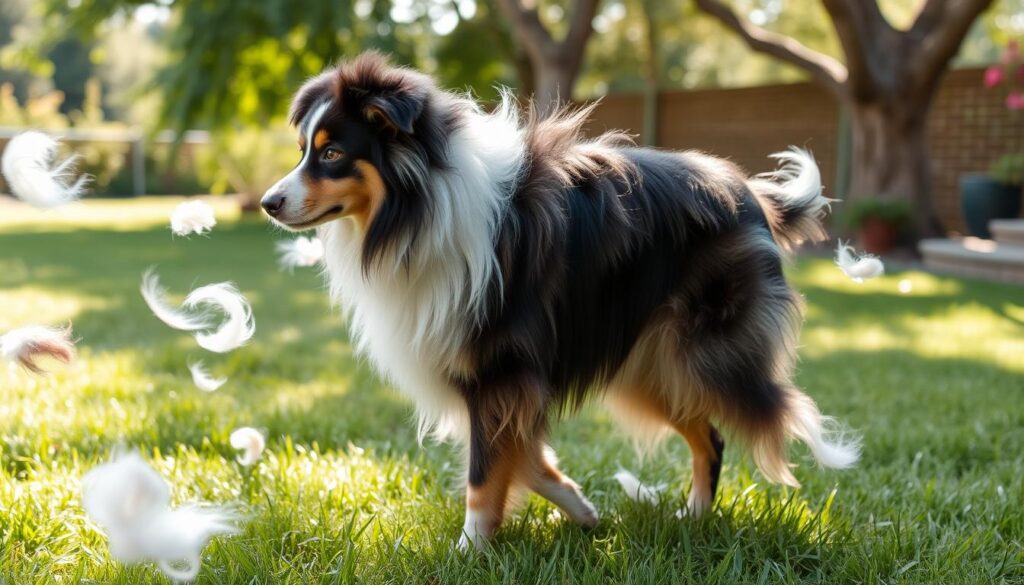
column 273, row 204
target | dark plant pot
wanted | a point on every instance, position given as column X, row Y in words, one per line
column 983, row 199
column 877, row 236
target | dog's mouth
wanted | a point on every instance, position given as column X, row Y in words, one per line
column 328, row 215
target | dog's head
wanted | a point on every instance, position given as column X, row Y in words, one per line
column 368, row 141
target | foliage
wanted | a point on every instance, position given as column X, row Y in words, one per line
column 102, row 160
column 1009, row 169
column 896, row 212
column 236, row 61
column 247, row 160
column 345, row 494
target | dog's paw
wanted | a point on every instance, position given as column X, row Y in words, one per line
column 696, row 507
column 475, row 542
column 586, row 514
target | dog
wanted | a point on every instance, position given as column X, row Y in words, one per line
column 500, row 269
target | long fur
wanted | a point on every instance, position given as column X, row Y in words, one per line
column 516, row 268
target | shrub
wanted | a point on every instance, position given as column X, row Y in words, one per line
column 1008, row 169
column 892, row 211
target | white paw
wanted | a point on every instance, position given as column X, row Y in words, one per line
column 696, row 506
column 586, row 514
column 475, row 542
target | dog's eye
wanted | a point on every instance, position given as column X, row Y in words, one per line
column 331, row 154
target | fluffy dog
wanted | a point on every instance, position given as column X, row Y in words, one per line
column 500, row 271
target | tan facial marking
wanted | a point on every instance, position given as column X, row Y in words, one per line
column 360, row 197
column 320, row 139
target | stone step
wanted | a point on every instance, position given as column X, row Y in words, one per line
column 975, row 258
column 1007, row 231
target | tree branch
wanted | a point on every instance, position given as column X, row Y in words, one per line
column 946, row 24
column 824, row 69
column 869, row 44
column 581, row 26
column 528, row 28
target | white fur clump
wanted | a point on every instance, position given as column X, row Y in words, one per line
column 233, row 333
column 638, row 491
column 240, row 325
column 858, row 267
column 202, row 378
column 33, row 174
column 301, row 251
column 250, row 442
column 155, row 297
column 23, row 345
column 192, row 217
column 131, row 502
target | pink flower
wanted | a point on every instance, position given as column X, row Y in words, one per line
column 993, row 76
column 1015, row 100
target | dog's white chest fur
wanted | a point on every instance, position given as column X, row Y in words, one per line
column 411, row 313
column 388, row 326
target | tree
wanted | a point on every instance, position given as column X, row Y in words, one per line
column 887, row 84
column 236, row 62
column 555, row 64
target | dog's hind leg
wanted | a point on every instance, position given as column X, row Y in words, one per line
column 645, row 411
column 706, row 447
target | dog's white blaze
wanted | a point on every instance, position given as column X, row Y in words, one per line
column 411, row 320
column 292, row 184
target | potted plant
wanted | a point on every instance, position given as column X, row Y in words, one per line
column 997, row 195
column 878, row 223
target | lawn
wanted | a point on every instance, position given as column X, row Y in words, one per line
column 933, row 379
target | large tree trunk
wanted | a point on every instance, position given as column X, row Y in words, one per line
column 890, row 157
column 553, row 83
column 652, row 74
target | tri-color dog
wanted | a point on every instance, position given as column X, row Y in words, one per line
column 501, row 271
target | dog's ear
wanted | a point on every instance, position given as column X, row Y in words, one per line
column 397, row 109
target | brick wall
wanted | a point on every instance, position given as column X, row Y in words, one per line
column 968, row 128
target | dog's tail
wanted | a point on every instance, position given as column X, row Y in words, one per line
column 800, row 419
column 791, row 198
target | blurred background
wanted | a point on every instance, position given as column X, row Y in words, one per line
column 914, row 109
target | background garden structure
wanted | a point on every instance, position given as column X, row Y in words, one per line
column 969, row 127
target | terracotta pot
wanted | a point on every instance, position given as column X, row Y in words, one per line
column 877, row 236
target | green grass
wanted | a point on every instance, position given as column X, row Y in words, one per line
column 934, row 380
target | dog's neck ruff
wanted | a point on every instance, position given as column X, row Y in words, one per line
column 411, row 312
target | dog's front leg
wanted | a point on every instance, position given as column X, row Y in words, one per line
column 505, row 418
